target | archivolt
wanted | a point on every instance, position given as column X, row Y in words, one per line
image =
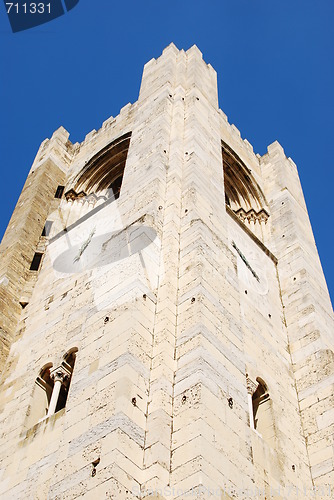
column 241, row 189
column 104, row 168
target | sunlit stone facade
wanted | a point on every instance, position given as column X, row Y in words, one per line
column 166, row 328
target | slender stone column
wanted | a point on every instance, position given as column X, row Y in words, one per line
column 59, row 375
column 251, row 388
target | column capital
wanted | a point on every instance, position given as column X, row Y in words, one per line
column 251, row 386
column 60, row 374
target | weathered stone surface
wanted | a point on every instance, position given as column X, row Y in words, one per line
column 185, row 309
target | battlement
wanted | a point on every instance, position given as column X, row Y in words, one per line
column 165, row 322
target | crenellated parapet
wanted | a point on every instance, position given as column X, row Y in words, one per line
column 166, row 326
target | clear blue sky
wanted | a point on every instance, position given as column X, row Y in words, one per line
column 275, row 76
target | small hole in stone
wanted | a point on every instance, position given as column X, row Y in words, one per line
column 106, row 319
column 144, row 296
column 184, row 399
column 269, row 315
column 246, row 292
column 282, row 202
column 182, row 98
column 170, row 95
column 230, row 402
column 186, row 211
column 197, row 98
column 293, row 467
column 283, row 236
column 165, row 151
column 160, row 207
column 134, row 401
column 193, row 300
column 186, row 152
column 94, row 465
column 294, row 279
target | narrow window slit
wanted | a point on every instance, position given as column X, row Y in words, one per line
column 59, row 192
column 36, row 261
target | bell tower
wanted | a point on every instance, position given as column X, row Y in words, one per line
column 165, row 322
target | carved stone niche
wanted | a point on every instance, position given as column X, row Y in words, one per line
column 243, row 194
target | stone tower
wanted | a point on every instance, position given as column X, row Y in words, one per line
column 166, row 329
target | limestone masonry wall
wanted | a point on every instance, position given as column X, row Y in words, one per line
column 173, row 341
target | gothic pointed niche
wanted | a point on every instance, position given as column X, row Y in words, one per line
column 104, row 171
column 243, row 194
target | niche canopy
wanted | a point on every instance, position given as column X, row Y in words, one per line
column 105, row 169
column 242, row 193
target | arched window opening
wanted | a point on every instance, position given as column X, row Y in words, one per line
column 104, row 170
column 260, row 407
column 243, row 195
column 259, row 398
column 51, row 389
